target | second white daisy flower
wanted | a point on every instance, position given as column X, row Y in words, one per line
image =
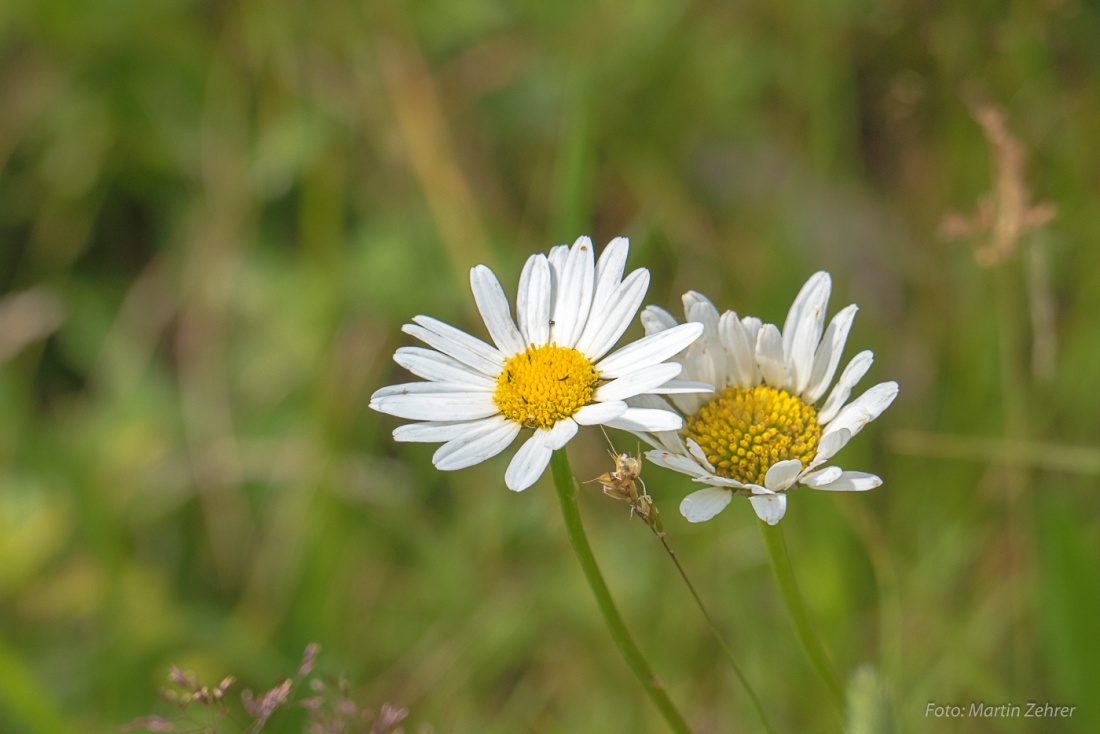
column 545, row 371
column 761, row 434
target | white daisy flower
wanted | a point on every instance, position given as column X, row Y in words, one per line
column 761, row 434
column 545, row 371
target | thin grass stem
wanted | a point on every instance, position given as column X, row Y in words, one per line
column 716, row 634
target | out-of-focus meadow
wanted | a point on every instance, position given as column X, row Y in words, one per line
column 215, row 217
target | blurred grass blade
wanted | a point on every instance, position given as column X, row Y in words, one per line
column 1009, row 452
column 808, row 636
column 24, row 699
column 573, row 203
column 869, row 708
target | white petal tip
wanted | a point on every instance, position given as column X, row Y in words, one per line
column 769, row 507
column 706, row 503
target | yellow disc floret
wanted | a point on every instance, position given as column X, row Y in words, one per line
column 744, row 431
column 544, row 384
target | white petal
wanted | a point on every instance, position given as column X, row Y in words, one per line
column 802, row 330
column 528, row 464
column 782, row 475
column 445, row 406
column 698, row 307
column 647, row 419
column 696, row 450
column 705, row 360
column 817, row 478
column 700, row 364
column 655, row 319
column 436, row 431
column 686, row 403
column 466, row 349
column 638, row 381
column 769, row 507
column 493, row 306
column 809, row 297
column 557, row 257
column 810, row 291
column 852, row 481
column 670, row 441
column 612, row 262
column 608, row 323
column 828, row 354
column 682, row 387
column 649, row 400
column 648, row 350
column 769, row 356
column 864, row 409
column 609, row 276
column 676, row 462
column 533, row 301
column 427, row 388
column 752, row 326
column 665, row 440
column 705, row 504
column 438, row 367
column 481, row 442
column 596, row 413
column 573, row 294
column 559, row 434
column 740, row 351
column 852, row 374
column 830, row 444
column 716, row 481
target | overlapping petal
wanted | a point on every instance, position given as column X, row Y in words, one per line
column 479, row 442
column 439, row 367
column 533, row 301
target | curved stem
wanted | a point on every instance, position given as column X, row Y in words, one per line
column 567, row 494
column 807, row 635
column 717, row 635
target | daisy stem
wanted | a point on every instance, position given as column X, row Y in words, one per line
column 811, row 642
column 714, row 631
column 567, row 494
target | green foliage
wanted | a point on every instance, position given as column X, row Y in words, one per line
column 227, row 210
column 869, row 708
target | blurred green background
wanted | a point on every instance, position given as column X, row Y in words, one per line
column 215, row 217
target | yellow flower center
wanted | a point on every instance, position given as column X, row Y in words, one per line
column 544, row 384
column 744, row 431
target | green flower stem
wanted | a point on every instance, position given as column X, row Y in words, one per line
column 717, row 634
column 807, row 635
column 567, row 494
